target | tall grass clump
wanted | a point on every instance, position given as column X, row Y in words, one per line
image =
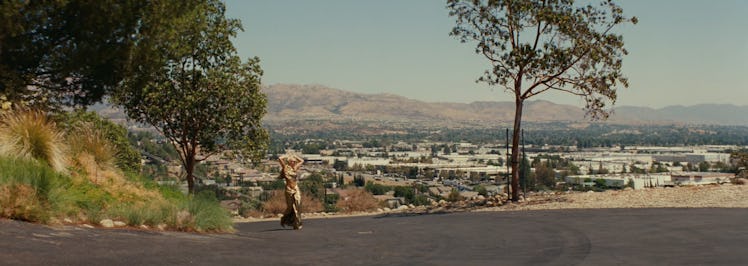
column 85, row 140
column 31, row 135
column 207, row 213
column 25, row 189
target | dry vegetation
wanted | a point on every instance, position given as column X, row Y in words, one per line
column 51, row 177
column 357, row 200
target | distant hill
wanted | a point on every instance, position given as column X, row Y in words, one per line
column 319, row 102
column 287, row 101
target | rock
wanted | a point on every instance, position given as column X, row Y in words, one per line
column 380, row 210
column 142, row 226
column 279, row 215
column 387, row 209
column 628, row 189
column 591, row 191
column 119, row 223
column 481, row 197
column 108, row 223
column 161, row 227
column 411, row 206
column 87, row 226
column 402, row 207
column 489, row 203
column 442, row 202
column 67, row 220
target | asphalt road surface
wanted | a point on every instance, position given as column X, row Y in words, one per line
column 562, row 237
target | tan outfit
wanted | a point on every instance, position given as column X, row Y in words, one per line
column 292, row 215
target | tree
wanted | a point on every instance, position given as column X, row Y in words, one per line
column 704, row 166
column 545, row 175
column 189, row 83
column 67, row 53
column 536, row 46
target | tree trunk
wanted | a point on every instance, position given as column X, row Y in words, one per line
column 190, row 169
column 515, row 148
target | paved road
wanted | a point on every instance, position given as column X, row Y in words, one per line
column 568, row 237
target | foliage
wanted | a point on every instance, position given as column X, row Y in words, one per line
column 32, row 135
column 600, row 183
column 80, row 122
column 88, row 146
column 570, row 50
column 545, row 176
column 339, row 165
column 481, row 189
column 313, row 185
column 31, row 190
column 376, row 189
column 359, row 181
column 153, row 146
column 64, row 52
column 454, row 196
column 189, row 83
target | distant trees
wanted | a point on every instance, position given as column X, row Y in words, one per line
column 188, row 82
column 570, row 49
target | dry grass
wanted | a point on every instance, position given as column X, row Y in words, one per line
column 88, row 142
column 310, row 204
column 20, row 201
column 31, row 135
column 276, row 204
column 358, row 200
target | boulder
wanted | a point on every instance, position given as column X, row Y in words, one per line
column 107, row 223
column 119, row 223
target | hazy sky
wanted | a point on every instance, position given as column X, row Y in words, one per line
column 681, row 52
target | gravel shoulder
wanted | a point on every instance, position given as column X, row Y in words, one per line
column 708, row 196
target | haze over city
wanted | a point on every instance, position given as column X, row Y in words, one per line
column 680, row 52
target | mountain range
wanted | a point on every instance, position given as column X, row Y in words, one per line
column 316, row 102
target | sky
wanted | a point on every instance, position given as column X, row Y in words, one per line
column 682, row 52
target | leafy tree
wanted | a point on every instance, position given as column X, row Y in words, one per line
column 189, row 83
column 359, row 181
column 545, row 175
column 539, row 45
column 340, row 165
column 704, row 166
column 65, row 52
column 376, row 189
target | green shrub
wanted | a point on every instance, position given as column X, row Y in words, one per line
column 421, row 200
column 454, row 195
column 377, row 189
column 481, row 190
column 207, row 213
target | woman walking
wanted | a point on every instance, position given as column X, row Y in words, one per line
column 290, row 166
